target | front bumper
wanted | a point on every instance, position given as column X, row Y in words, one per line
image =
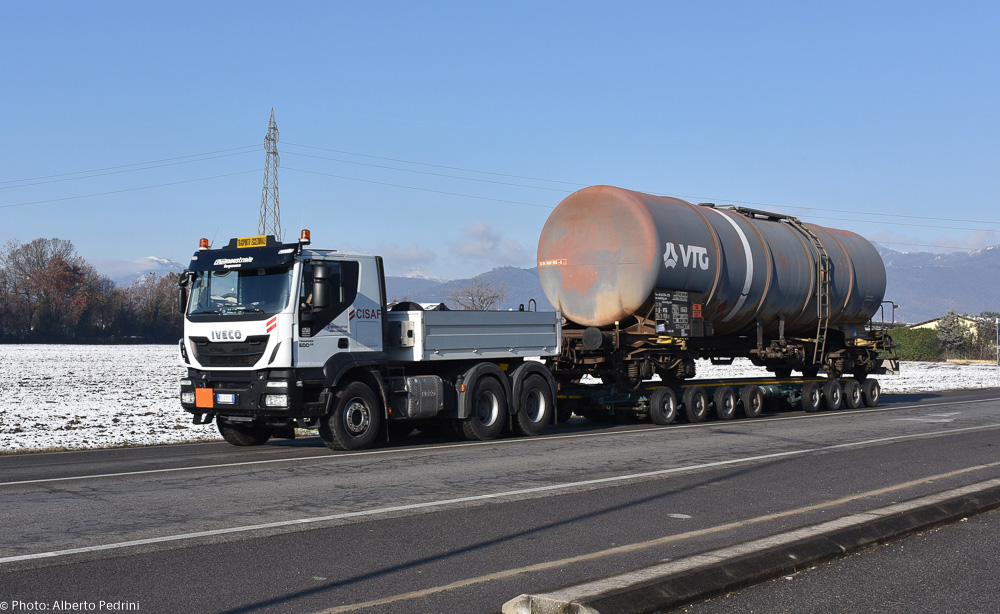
column 276, row 393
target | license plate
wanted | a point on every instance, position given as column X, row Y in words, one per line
column 225, row 399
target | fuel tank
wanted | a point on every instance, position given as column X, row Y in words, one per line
column 604, row 251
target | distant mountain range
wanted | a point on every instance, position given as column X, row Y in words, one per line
column 924, row 285
column 125, row 272
column 522, row 286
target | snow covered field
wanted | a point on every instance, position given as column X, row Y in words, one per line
column 80, row 396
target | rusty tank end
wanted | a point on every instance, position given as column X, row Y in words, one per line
column 605, row 250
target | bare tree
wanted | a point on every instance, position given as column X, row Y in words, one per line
column 480, row 294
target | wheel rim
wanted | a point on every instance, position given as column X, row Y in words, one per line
column 487, row 408
column 729, row 404
column 534, row 405
column 357, row 417
column 814, row 397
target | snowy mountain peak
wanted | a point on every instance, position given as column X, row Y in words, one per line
column 417, row 273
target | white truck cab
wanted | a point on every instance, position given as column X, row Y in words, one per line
column 279, row 336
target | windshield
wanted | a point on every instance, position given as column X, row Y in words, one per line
column 240, row 291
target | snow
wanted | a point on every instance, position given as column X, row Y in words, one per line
column 55, row 397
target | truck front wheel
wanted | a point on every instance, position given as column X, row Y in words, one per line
column 243, row 434
column 355, row 420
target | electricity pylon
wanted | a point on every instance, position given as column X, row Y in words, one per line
column 270, row 217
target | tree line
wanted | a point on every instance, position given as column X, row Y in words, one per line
column 962, row 337
column 49, row 294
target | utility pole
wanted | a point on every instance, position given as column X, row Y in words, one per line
column 270, row 217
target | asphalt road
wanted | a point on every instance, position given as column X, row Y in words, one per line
column 950, row 569
column 434, row 526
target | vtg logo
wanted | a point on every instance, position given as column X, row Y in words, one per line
column 365, row 314
column 227, row 335
column 693, row 256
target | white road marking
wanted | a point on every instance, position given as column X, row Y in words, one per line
column 498, row 442
column 483, row 497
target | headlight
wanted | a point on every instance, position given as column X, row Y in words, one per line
column 185, row 382
column 187, row 397
column 277, row 385
column 276, row 400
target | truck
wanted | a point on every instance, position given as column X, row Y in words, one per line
column 282, row 336
column 279, row 336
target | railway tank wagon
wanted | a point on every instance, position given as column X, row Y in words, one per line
column 649, row 283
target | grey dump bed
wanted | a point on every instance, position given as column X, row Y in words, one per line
column 477, row 335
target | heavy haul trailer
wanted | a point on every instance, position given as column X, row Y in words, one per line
column 722, row 399
column 279, row 336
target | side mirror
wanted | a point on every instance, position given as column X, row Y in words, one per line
column 182, row 295
column 321, row 286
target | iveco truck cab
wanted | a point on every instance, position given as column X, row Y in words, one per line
column 279, row 336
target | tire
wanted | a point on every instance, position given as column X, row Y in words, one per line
column 355, row 420
column 812, row 397
column 833, row 395
column 243, row 434
column 871, row 391
column 725, row 402
column 853, row 398
column 488, row 413
column 695, row 404
column 663, row 406
column 534, row 407
column 752, row 400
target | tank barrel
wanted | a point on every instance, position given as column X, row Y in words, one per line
column 605, row 252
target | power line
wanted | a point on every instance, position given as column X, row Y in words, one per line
column 971, row 249
column 575, row 184
column 147, row 187
column 450, row 168
column 410, row 170
column 110, row 168
column 410, row 187
column 132, row 170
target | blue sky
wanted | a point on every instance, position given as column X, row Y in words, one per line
column 441, row 134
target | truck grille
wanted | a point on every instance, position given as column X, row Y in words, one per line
column 229, row 353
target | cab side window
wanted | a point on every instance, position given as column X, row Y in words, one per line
column 343, row 290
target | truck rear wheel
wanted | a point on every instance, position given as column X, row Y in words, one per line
column 534, row 408
column 696, row 404
column 488, row 411
column 752, row 400
column 663, row 406
column 833, row 394
column 852, row 394
column 243, row 434
column 355, row 420
column 872, row 392
column 725, row 403
column 811, row 397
